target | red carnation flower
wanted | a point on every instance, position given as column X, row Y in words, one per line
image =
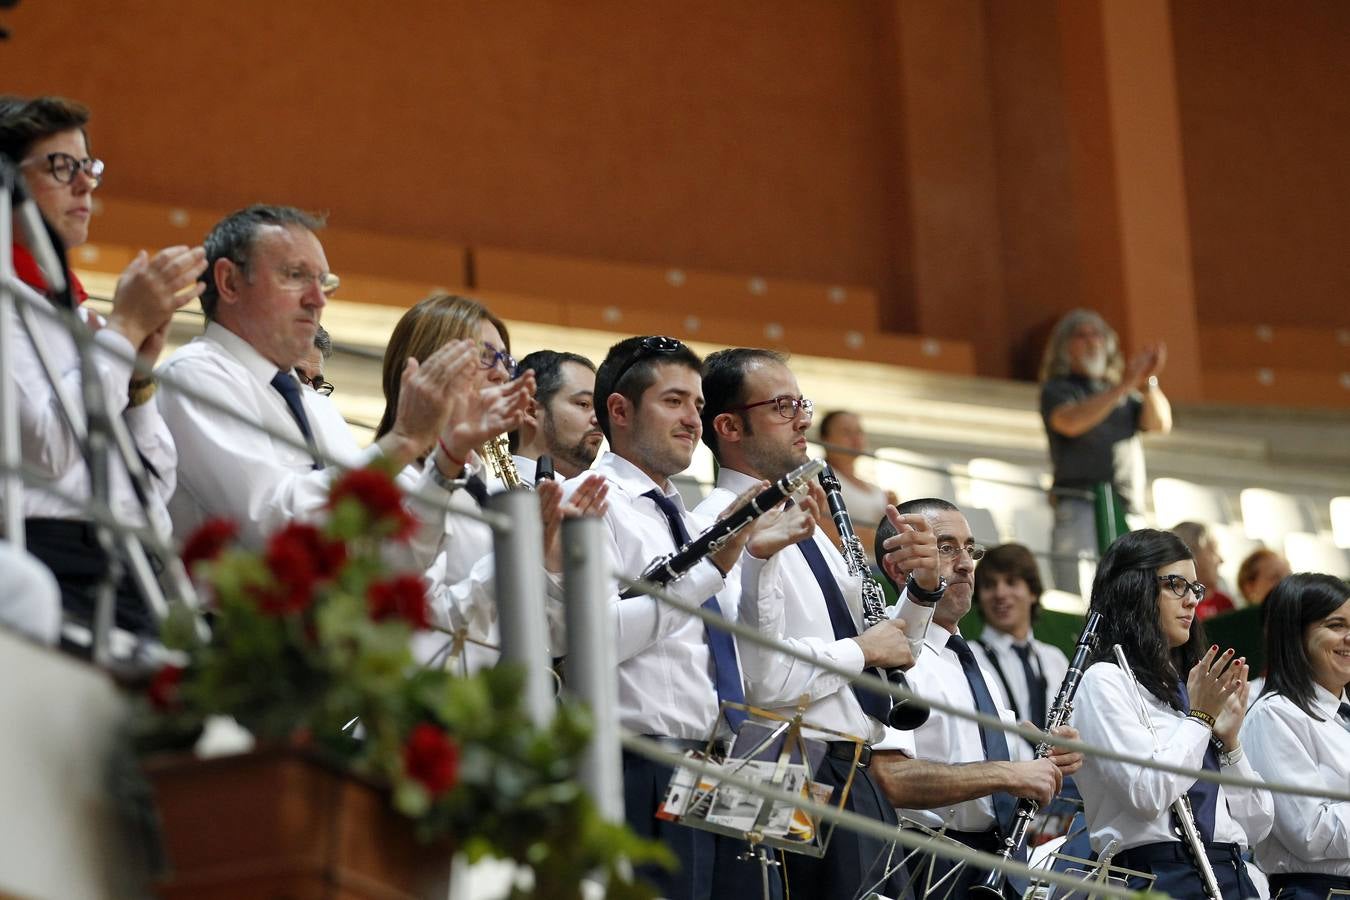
column 379, row 496
column 299, row 556
column 163, row 689
column 208, row 541
column 432, row 758
column 404, row 597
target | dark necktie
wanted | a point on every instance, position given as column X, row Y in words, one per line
column 1204, row 794
column 1035, row 686
column 477, row 489
column 289, row 389
column 1345, row 716
column 994, row 741
column 721, row 646
column 878, row 706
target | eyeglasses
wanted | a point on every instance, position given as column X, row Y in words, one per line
column 490, row 356
column 654, row 345
column 298, row 279
column 1179, row 586
column 788, row 407
column 320, row 386
column 949, row 550
column 64, row 167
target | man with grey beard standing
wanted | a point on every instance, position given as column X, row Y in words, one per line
column 1094, row 406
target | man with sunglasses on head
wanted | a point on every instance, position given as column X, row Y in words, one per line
column 673, row 671
column 47, row 141
column 755, row 421
column 964, row 777
column 265, row 461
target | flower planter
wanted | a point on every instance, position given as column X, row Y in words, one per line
column 280, row 823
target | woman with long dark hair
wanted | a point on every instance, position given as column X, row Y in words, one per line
column 1194, row 697
column 1299, row 731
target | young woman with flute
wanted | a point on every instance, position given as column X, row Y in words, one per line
column 1176, row 701
column 1299, row 731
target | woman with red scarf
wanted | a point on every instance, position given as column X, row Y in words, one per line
column 46, row 139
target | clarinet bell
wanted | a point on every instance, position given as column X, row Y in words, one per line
column 905, row 715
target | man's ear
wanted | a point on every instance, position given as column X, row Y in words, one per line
column 533, row 414
column 228, row 278
column 892, row 569
column 620, row 410
column 727, row 427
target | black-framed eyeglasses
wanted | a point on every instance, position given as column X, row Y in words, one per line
column 320, row 386
column 64, row 167
column 788, row 407
column 1178, row 585
column 653, row 345
column 490, row 356
column 949, row 550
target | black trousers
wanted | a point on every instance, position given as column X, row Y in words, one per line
column 854, row 865
column 71, row 550
column 1178, row 877
column 1306, row 887
column 709, row 865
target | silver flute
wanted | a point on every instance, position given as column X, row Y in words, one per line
column 1181, row 807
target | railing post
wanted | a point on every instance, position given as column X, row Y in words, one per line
column 591, row 667
column 520, row 598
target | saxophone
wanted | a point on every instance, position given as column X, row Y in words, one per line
column 497, row 452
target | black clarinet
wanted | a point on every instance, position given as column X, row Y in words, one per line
column 1058, row 715
column 904, row 715
column 665, row 569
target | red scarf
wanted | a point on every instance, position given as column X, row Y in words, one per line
column 26, row 267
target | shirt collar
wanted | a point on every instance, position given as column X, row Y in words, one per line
column 259, row 366
column 1327, row 702
column 629, row 477
column 736, row 482
column 1002, row 640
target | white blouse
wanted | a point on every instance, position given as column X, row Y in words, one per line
column 1286, row 744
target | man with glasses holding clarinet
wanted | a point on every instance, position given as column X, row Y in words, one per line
column 755, row 421
column 965, row 777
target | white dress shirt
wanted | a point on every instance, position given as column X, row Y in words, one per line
column 1286, row 744
column 228, row 467
column 665, row 683
column 952, row 740
column 48, row 444
column 781, row 599
column 995, row 651
column 1130, row 803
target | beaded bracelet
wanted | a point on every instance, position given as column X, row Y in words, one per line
column 1202, row 716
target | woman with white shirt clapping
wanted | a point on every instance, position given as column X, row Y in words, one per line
column 1194, row 698
column 1299, row 731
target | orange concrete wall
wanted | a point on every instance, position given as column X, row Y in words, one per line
column 981, row 165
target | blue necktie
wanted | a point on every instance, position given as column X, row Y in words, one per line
column 878, row 706
column 1204, row 794
column 994, row 741
column 1035, row 686
column 289, row 389
column 721, row 646
column 1345, row 716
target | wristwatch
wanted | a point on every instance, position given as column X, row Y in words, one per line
column 919, row 595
